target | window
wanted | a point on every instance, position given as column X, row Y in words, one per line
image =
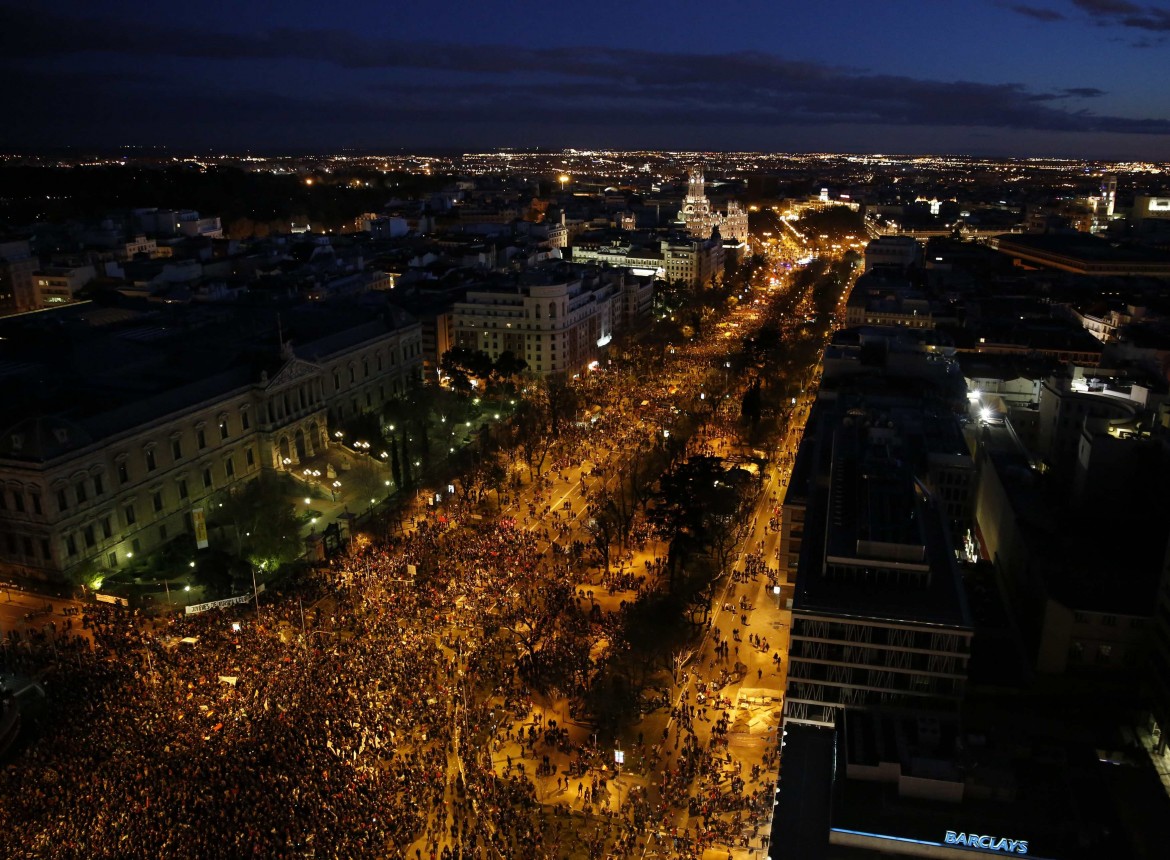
column 157, row 500
column 201, row 438
column 4, row 499
column 99, row 486
column 223, row 429
column 1080, row 618
column 27, row 543
column 162, row 533
column 17, row 500
column 112, row 559
column 151, row 463
column 36, row 500
column 46, row 551
column 182, row 489
column 129, row 515
column 90, row 540
column 207, row 479
column 250, row 457
column 107, row 532
column 123, row 473
column 134, row 546
column 70, row 546
column 1108, row 620
column 62, row 501
column 245, row 421
column 229, row 466
column 79, row 489
column 1104, row 652
column 177, row 449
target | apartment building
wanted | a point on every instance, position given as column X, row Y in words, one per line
column 556, row 317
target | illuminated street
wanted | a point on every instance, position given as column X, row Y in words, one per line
column 435, row 683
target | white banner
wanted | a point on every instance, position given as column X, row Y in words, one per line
column 218, row 604
column 111, row 598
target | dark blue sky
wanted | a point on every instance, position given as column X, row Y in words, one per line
column 1037, row 77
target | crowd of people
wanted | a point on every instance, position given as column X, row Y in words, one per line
column 369, row 709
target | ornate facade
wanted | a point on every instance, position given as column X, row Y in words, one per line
column 700, row 218
column 88, row 492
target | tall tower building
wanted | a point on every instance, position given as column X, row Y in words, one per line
column 700, row 219
column 1104, row 202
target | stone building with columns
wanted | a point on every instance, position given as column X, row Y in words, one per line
column 117, row 430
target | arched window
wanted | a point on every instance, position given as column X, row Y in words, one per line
column 552, row 310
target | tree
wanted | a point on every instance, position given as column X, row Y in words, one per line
column 509, row 365
column 697, row 510
column 529, row 431
column 262, row 515
column 463, row 365
column 364, row 482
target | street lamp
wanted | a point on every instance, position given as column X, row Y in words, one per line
column 334, row 489
column 563, row 179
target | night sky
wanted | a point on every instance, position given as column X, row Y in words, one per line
column 1082, row 78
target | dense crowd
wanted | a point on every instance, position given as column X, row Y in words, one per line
column 366, row 712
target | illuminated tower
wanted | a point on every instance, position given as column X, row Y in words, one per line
column 1104, row 202
column 1108, row 193
column 700, row 219
column 696, row 212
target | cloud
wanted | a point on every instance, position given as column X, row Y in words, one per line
column 476, row 84
column 1038, row 12
column 1120, row 13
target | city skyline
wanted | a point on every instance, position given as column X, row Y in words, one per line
column 1054, row 78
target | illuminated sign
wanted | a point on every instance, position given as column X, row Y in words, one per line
column 991, row 843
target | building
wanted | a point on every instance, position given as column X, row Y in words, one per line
column 100, row 460
column 17, row 288
column 557, row 317
column 1081, row 254
column 181, row 222
column 1079, row 575
column 882, row 297
column 1067, row 401
column 1149, row 208
column 697, row 263
column 896, row 252
column 61, row 284
column 700, row 218
column 1158, row 669
column 879, row 616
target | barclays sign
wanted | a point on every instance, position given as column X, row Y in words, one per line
column 989, row 843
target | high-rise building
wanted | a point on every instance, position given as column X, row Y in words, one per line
column 17, row 263
column 879, row 615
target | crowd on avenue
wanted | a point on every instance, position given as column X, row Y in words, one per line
column 371, row 707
